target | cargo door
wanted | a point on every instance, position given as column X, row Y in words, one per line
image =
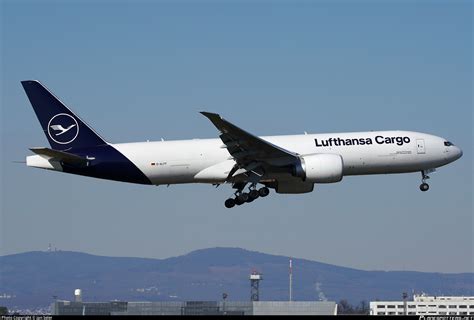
column 420, row 146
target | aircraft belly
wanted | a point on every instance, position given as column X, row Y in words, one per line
column 179, row 172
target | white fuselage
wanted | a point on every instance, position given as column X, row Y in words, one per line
column 375, row 152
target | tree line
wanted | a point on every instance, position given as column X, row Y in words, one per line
column 344, row 307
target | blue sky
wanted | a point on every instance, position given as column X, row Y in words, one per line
column 143, row 69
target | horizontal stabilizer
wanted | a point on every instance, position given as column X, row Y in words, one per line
column 65, row 157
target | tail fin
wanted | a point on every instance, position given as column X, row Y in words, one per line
column 62, row 127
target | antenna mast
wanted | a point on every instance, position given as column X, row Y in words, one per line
column 291, row 279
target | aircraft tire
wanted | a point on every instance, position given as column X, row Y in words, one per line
column 229, row 203
column 424, row 186
column 243, row 197
column 253, row 194
column 239, row 201
column 263, row 192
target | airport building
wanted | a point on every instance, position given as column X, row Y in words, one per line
column 425, row 305
column 62, row 307
column 224, row 307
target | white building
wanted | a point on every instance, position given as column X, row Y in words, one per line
column 425, row 305
column 61, row 307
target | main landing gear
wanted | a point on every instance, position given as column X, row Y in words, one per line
column 424, row 176
column 246, row 197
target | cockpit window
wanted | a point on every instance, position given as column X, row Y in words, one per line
column 447, row 143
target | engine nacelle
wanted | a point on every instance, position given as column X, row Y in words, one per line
column 320, row 168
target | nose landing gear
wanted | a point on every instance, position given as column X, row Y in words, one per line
column 424, row 176
column 424, row 187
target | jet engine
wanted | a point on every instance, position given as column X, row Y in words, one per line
column 320, row 168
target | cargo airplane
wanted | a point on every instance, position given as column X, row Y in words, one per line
column 289, row 164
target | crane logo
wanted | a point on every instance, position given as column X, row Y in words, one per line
column 63, row 128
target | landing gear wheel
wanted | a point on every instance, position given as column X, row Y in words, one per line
column 424, row 176
column 263, row 192
column 238, row 201
column 243, row 197
column 424, row 186
column 253, row 194
column 229, row 203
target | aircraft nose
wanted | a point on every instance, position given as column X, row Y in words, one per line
column 454, row 153
column 457, row 153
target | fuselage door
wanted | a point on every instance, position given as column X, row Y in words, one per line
column 420, row 146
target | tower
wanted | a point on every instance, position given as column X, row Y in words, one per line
column 405, row 296
column 255, row 278
column 291, row 279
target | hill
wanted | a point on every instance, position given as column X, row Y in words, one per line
column 33, row 278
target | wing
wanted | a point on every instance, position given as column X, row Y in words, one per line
column 250, row 151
